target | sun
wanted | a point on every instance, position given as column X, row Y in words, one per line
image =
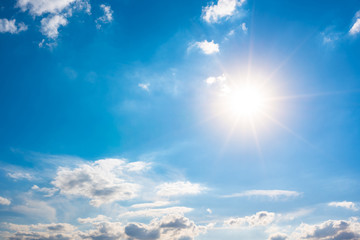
column 246, row 101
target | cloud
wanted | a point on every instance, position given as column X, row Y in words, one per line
column 179, row 188
column 103, row 181
column 273, row 194
column 244, row 27
column 206, row 47
column 36, row 209
column 152, row 204
column 39, row 7
column 97, row 219
column 344, row 204
column 20, row 175
column 355, row 29
column 278, row 236
column 223, row 9
column 48, row 191
column 10, row 26
column 106, row 18
column 175, row 227
column 50, row 25
column 157, row 212
column 262, row 218
column 144, row 86
column 329, row 230
column 4, row 201
column 214, row 80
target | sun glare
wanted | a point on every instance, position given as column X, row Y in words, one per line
column 245, row 101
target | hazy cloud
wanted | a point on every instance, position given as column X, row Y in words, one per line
column 344, row 204
column 179, row 188
column 4, row 201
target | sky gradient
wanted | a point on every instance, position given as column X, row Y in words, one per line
column 179, row 120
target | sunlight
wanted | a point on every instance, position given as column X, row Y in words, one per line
column 245, row 101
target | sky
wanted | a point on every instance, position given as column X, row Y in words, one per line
column 179, row 120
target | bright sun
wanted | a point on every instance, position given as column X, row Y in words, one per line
column 245, row 101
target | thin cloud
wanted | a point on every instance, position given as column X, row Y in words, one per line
column 50, row 25
column 262, row 218
column 273, row 194
column 344, row 204
column 179, row 188
column 106, row 18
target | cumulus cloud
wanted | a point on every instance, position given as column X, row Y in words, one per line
column 50, row 25
column 223, row 9
column 355, row 29
column 179, row 188
column 262, row 218
column 103, row 181
column 10, row 26
column 4, row 201
column 344, row 204
column 329, row 230
column 278, row 236
column 207, row 47
column 175, row 227
column 39, row 7
column 273, row 194
column 106, row 18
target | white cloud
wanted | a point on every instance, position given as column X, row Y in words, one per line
column 274, row 194
column 156, row 212
column 331, row 229
column 214, row 80
column 179, row 188
column 209, row 211
column 50, row 25
column 224, row 8
column 4, row 201
column 144, row 86
column 48, row 191
column 39, row 7
column 355, row 29
column 152, row 204
column 175, row 227
column 244, row 27
column 344, row 204
column 103, row 181
column 262, row 218
column 278, row 236
column 20, row 175
column 10, row 26
column 206, row 47
column 106, row 18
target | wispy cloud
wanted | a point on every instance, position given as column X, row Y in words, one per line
column 106, row 18
column 10, row 26
column 156, row 212
column 344, row 204
column 355, row 29
column 179, row 188
column 144, row 86
column 152, row 204
column 273, row 194
column 224, row 8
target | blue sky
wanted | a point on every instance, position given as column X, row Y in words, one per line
column 225, row 119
